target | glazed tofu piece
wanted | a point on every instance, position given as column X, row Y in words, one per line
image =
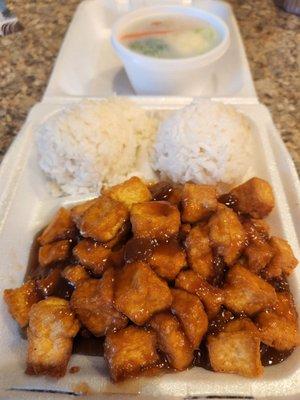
column 258, row 256
column 278, row 326
column 190, row 312
column 52, row 326
column 48, row 285
column 254, row 197
column 198, row 202
column 246, row 292
column 92, row 301
column 54, row 252
column 121, row 237
column 167, row 260
column 20, row 300
column 227, row 234
column 78, row 211
column 154, row 219
column 199, row 252
column 241, row 324
column 166, row 191
column 94, row 256
column 257, row 230
column 129, row 351
column 130, row 192
column 139, row 292
column 235, row 353
column 61, row 227
column 283, row 261
column 211, row 296
column 172, row 340
column 103, row 219
column 75, row 274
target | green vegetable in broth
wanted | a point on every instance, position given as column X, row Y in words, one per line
column 149, row 47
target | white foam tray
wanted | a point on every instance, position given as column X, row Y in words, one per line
column 26, row 205
column 87, row 65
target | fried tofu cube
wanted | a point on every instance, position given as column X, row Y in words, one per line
column 103, row 219
column 211, row 296
column 54, row 252
column 227, row 234
column 198, row 202
column 121, row 237
column 92, row 255
column 20, row 300
column 167, row 260
column 75, row 274
column 258, row 256
column 254, row 197
column 48, row 285
column 241, row 324
column 257, row 230
column 199, row 252
column 52, row 326
column 283, row 261
column 130, row 192
column 154, row 219
column 190, row 312
column 129, row 351
column 172, row 340
column 235, row 353
column 61, row 227
column 78, row 211
column 278, row 326
column 92, row 301
column 246, row 292
column 139, row 292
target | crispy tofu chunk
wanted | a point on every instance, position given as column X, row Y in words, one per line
column 103, row 219
column 254, row 197
column 166, row 191
column 129, row 351
column 130, row 192
column 75, row 274
column 278, row 326
column 48, row 285
column 20, row 300
column 54, row 252
column 172, row 341
column 257, row 230
column 78, row 211
column 235, row 353
column 167, row 260
column 155, row 219
column 52, row 325
column 190, row 312
column 241, row 324
column 227, row 234
column 283, row 261
column 139, row 292
column 258, row 256
column 121, row 237
column 211, row 296
column 61, row 227
column 246, row 292
column 199, row 252
column 198, row 202
column 92, row 301
column 92, row 255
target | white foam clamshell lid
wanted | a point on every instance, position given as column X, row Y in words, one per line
column 26, row 206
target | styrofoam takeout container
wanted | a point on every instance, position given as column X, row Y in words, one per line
column 88, row 66
column 26, row 205
column 150, row 75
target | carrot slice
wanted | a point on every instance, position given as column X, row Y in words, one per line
column 138, row 35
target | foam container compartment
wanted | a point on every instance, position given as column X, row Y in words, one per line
column 26, row 205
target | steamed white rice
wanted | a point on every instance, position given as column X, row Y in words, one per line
column 94, row 143
column 205, row 142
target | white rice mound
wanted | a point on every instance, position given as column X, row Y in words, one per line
column 205, row 142
column 94, row 143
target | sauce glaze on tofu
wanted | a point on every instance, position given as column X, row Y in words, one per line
column 160, row 277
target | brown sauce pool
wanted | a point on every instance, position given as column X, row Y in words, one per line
column 50, row 283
